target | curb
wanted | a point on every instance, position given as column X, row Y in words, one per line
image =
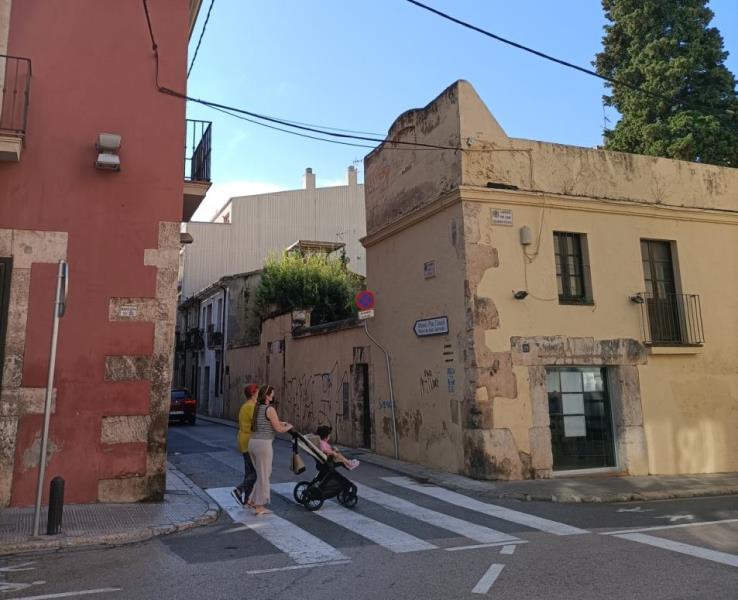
column 140, row 534
column 460, row 483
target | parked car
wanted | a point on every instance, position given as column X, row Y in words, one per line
column 183, row 406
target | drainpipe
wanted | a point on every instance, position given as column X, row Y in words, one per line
column 223, row 341
column 391, row 390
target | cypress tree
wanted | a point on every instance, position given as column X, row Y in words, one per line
column 668, row 48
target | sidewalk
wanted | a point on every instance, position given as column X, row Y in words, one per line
column 603, row 488
column 184, row 506
column 591, row 488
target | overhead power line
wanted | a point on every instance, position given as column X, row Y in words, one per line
column 585, row 70
column 199, row 41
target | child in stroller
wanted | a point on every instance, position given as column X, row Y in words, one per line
column 327, row 483
column 324, row 432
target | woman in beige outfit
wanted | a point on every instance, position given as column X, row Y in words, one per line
column 264, row 425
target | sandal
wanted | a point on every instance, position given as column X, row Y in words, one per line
column 261, row 513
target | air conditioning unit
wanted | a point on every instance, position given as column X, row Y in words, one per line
column 107, row 162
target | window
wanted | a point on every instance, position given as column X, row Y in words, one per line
column 572, row 270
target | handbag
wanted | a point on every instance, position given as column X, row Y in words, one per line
column 298, row 466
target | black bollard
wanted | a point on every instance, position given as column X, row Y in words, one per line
column 56, row 506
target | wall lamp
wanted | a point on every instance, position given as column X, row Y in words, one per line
column 637, row 298
column 108, row 145
column 520, row 294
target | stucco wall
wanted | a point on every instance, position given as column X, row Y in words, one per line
column 428, row 373
column 674, row 410
column 314, row 374
column 113, row 370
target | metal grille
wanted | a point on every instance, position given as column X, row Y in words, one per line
column 672, row 319
column 16, row 74
column 197, row 150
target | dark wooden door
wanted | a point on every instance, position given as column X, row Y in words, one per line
column 661, row 297
column 6, row 270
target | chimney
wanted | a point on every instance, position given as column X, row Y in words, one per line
column 352, row 181
column 309, row 179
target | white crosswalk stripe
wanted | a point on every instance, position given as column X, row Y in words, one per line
column 381, row 534
column 300, row 545
column 499, row 512
column 475, row 532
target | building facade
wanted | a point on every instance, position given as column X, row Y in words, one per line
column 550, row 308
column 250, row 228
column 69, row 76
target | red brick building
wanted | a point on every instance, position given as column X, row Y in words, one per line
column 74, row 70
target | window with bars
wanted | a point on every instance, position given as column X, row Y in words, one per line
column 572, row 268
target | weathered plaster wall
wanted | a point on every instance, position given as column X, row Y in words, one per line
column 689, row 400
column 405, row 178
column 428, row 373
column 312, row 373
column 121, row 237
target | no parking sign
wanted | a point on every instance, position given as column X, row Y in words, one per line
column 364, row 300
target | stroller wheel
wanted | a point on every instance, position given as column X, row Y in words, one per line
column 313, row 498
column 299, row 492
column 348, row 497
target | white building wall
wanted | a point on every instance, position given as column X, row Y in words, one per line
column 266, row 223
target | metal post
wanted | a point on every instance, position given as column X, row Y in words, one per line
column 62, row 286
column 391, row 391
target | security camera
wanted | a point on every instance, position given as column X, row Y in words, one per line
column 107, row 162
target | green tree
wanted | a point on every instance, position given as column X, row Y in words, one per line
column 667, row 48
column 293, row 282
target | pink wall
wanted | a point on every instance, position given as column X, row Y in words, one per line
column 93, row 71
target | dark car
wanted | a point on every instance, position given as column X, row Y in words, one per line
column 183, row 406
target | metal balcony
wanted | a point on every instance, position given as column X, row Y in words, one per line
column 198, row 142
column 16, row 87
column 671, row 320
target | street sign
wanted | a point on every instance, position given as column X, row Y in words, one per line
column 434, row 326
column 364, row 300
column 366, row 314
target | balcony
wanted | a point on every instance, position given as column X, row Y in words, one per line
column 671, row 320
column 16, row 86
column 196, row 165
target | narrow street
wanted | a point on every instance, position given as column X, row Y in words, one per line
column 403, row 540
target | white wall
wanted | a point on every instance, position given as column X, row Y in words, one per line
column 266, row 223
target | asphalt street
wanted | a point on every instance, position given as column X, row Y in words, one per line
column 404, row 539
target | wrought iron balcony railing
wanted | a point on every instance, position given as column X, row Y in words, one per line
column 671, row 320
column 16, row 87
column 197, row 150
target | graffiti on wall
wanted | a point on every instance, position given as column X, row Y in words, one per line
column 428, row 382
column 318, row 399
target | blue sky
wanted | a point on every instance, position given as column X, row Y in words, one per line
column 359, row 64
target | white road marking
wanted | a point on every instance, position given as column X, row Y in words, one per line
column 487, row 579
column 659, row 527
column 507, row 550
column 696, row 551
column 384, row 535
column 293, row 567
column 234, row 529
column 475, row 532
column 21, row 567
column 499, row 512
column 474, row 547
column 303, row 547
column 673, row 518
column 637, row 509
column 69, row 594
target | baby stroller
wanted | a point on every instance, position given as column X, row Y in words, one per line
column 328, row 483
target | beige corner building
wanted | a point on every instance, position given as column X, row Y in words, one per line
column 550, row 308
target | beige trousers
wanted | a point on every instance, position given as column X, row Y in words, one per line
column 261, row 455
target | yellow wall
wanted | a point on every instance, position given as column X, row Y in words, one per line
column 690, row 401
column 428, row 414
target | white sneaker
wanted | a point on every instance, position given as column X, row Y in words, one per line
column 353, row 464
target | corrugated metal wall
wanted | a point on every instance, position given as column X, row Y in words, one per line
column 268, row 223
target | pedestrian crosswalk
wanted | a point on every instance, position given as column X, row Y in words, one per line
column 305, row 548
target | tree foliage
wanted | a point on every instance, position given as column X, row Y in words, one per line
column 294, row 282
column 668, row 48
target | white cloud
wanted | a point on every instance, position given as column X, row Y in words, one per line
column 220, row 193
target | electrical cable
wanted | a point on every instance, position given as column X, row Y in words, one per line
column 612, row 80
column 202, row 33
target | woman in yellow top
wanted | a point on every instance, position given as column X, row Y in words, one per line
column 245, row 416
